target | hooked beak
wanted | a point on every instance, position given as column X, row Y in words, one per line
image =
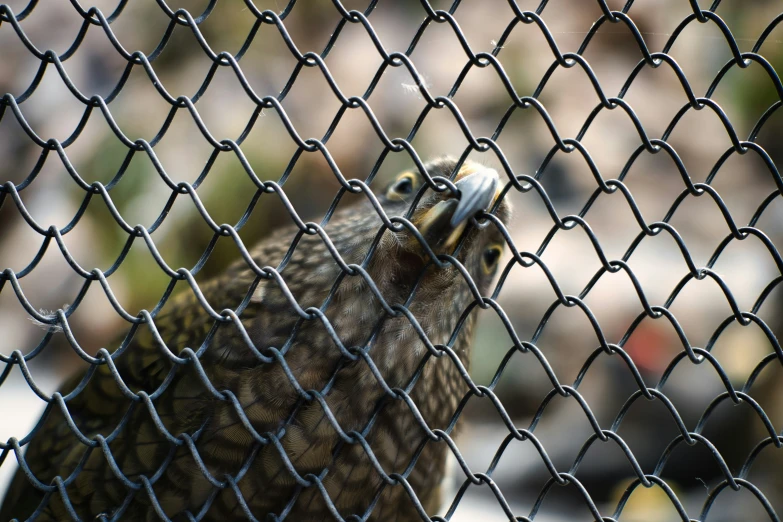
column 443, row 224
column 477, row 192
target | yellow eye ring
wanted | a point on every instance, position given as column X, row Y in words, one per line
column 490, row 257
column 403, row 187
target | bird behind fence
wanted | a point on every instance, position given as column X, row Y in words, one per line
column 319, row 401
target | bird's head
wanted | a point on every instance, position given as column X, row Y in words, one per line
column 444, row 219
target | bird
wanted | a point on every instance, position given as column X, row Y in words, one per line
column 318, row 402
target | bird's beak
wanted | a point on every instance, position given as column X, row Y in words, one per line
column 478, row 191
column 443, row 224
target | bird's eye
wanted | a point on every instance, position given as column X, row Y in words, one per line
column 490, row 258
column 402, row 187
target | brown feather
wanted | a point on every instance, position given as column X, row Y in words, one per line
column 270, row 402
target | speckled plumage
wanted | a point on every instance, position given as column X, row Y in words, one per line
column 265, row 393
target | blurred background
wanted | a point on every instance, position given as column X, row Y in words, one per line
column 567, row 339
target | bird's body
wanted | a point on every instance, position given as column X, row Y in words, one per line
column 253, row 421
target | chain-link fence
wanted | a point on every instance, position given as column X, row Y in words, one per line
column 625, row 363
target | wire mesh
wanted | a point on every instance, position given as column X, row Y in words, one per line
column 638, row 352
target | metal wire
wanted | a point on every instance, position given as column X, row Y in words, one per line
column 11, row 194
